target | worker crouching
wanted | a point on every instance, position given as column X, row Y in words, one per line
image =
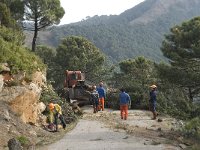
column 124, row 102
column 55, row 112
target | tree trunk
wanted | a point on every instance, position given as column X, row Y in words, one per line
column 35, row 33
column 190, row 95
column 34, row 40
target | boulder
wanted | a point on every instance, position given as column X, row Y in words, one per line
column 14, row 144
column 19, row 76
column 25, row 105
column 24, row 100
column 42, row 119
column 6, row 115
column 4, row 67
column 35, row 88
column 41, row 107
column 39, row 78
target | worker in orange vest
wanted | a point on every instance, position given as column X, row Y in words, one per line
column 124, row 99
column 102, row 96
column 55, row 112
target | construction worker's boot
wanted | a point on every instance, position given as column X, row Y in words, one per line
column 64, row 126
column 56, row 130
column 154, row 115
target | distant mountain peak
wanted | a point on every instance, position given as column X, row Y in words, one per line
column 158, row 8
column 150, row 10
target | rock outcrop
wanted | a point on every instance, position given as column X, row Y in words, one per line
column 23, row 99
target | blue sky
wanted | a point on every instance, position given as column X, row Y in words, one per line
column 76, row 10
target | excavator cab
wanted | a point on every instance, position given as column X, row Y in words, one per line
column 74, row 78
column 75, row 85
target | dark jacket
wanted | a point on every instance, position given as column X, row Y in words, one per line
column 94, row 97
column 152, row 96
column 124, row 98
column 102, row 92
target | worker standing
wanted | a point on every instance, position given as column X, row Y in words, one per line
column 152, row 101
column 102, row 96
column 95, row 98
column 125, row 100
column 55, row 112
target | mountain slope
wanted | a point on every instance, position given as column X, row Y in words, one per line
column 138, row 31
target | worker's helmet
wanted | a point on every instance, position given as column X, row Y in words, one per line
column 51, row 106
column 153, row 86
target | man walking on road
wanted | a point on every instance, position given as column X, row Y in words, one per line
column 102, row 96
column 124, row 102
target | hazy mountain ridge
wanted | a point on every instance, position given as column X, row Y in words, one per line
column 158, row 9
column 135, row 32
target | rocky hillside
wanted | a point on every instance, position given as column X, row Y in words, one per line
column 21, row 109
column 137, row 31
column 20, row 106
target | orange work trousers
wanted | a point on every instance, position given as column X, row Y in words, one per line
column 101, row 103
column 124, row 111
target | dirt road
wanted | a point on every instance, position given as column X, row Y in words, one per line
column 106, row 131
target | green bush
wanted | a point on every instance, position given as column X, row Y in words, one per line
column 112, row 100
column 15, row 37
column 18, row 57
column 172, row 101
column 23, row 140
column 192, row 128
column 49, row 95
